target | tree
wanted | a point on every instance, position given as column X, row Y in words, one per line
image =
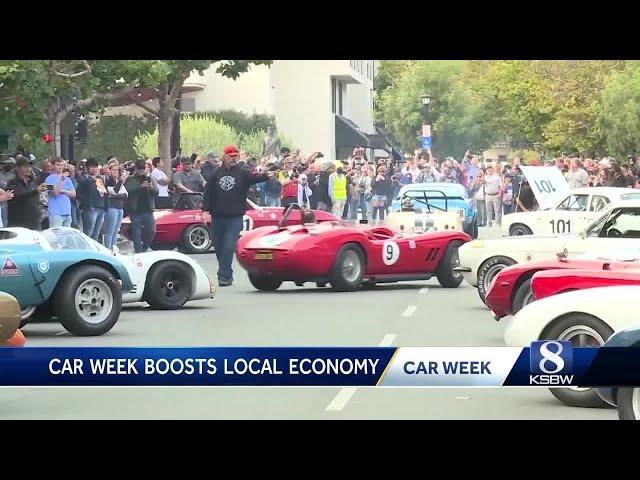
column 167, row 77
column 457, row 121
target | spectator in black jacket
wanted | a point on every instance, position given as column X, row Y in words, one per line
column 117, row 194
column 210, row 165
column 380, row 187
column 142, row 191
column 24, row 207
column 225, row 198
column 92, row 194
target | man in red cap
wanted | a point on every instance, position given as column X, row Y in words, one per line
column 225, row 198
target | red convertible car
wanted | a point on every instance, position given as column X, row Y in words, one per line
column 189, row 228
column 511, row 288
column 346, row 257
column 553, row 282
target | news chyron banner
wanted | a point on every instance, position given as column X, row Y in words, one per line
column 547, row 363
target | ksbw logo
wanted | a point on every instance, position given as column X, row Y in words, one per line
column 550, row 363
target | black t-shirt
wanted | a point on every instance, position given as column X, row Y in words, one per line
column 226, row 193
column 527, row 198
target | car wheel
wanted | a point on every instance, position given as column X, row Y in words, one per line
column 628, row 403
column 348, row 269
column 41, row 313
column 581, row 330
column 88, row 302
column 523, row 297
column 519, row 229
column 488, row 271
column 169, row 285
column 446, row 276
column 266, row 283
column 196, row 239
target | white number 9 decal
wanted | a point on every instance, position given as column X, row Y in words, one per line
column 247, row 223
column 390, row 252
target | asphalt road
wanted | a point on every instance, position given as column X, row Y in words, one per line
column 412, row 314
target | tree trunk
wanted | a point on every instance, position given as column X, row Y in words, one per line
column 165, row 125
column 54, row 145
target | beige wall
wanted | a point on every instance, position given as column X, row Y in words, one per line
column 248, row 93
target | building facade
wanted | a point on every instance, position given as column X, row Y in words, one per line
column 320, row 105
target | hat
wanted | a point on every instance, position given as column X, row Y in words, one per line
column 231, row 150
column 212, row 155
column 21, row 161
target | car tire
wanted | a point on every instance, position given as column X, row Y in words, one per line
column 445, row 274
column 41, row 314
column 628, row 400
column 265, row 283
column 196, row 239
column 523, row 296
column 488, row 270
column 169, row 285
column 518, row 229
column 348, row 269
column 566, row 328
column 88, row 302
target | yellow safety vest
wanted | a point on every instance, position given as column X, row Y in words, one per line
column 339, row 187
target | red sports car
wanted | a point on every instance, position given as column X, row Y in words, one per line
column 189, row 228
column 347, row 257
column 511, row 288
column 552, row 282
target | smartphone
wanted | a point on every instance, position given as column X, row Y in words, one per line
column 49, row 187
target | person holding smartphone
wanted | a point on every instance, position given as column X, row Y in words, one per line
column 60, row 192
column 24, row 207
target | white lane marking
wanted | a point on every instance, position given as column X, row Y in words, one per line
column 344, row 395
column 61, row 333
column 423, row 290
column 410, row 310
column 463, row 398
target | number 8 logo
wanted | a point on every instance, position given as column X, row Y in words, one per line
column 553, row 357
column 390, row 252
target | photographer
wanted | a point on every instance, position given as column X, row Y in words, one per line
column 117, row 196
column 92, row 195
column 380, row 187
column 142, row 191
column 61, row 192
column 289, row 181
column 24, row 207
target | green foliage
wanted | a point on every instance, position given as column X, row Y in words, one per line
column 114, row 135
column 252, row 142
column 197, row 135
column 239, row 121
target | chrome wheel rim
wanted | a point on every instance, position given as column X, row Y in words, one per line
column 27, row 312
column 517, row 232
column 351, row 267
column 490, row 276
column 198, row 237
column 455, row 262
column 93, row 301
column 581, row 336
column 528, row 298
column 635, row 403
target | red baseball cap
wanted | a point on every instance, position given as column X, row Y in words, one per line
column 231, row 150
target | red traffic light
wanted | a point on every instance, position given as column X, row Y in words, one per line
column 47, row 138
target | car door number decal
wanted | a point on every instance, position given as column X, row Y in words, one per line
column 390, row 252
column 247, row 223
column 560, row 226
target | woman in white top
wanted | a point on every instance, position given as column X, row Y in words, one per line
column 478, row 198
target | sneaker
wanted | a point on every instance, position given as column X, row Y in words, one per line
column 224, row 283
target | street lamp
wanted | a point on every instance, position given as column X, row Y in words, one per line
column 426, row 127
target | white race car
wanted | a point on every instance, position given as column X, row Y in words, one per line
column 584, row 317
column 164, row 279
column 616, row 229
column 573, row 214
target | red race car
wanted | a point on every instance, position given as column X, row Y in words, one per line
column 189, row 228
column 552, row 282
column 346, row 257
column 511, row 288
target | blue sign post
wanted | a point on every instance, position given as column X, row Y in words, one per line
column 426, row 142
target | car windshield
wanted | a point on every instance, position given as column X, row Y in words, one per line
column 66, row 240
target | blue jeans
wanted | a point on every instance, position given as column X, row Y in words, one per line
column 76, row 217
column 59, row 220
column 143, row 229
column 354, row 203
column 92, row 219
column 271, row 201
column 112, row 222
column 226, row 231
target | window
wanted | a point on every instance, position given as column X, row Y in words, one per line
column 574, row 203
column 599, row 203
column 624, row 223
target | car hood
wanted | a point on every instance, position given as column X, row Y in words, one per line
column 525, row 242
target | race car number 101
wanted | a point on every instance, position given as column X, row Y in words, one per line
column 560, row 226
